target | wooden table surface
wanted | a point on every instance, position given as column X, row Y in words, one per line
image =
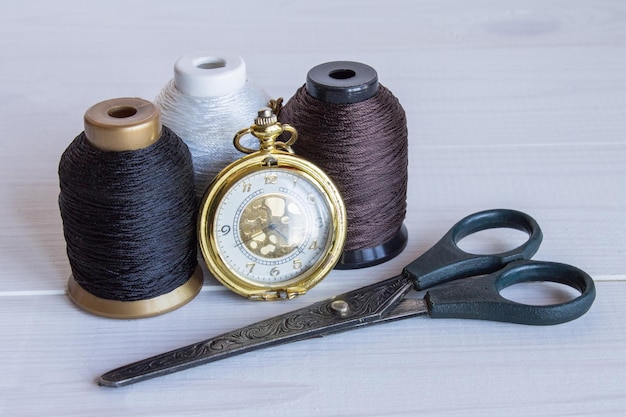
column 516, row 104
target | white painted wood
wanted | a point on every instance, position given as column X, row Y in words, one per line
column 509, row 104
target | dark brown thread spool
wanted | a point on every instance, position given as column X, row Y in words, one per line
column 355, row 129
column 116, row 131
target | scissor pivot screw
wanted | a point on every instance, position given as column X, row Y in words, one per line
column 340, row 307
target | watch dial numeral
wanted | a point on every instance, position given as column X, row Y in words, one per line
column 297, row 264
column 271, row 179
column 250, row 266
column 225, row 229
column 246, row 187
column 275, row 272
column 313, row 245
column 311, row 198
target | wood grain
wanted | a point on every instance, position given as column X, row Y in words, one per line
column 509, row 104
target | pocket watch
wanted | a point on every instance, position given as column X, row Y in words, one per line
column 271, row 225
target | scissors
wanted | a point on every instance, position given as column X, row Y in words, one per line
column 476, row 295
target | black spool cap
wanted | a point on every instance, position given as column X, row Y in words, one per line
column 342, row 82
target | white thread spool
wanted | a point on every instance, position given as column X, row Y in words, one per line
column 205, row 104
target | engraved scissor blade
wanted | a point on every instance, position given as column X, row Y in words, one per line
column 407, row 308
column 265, row 333
column 363, row 305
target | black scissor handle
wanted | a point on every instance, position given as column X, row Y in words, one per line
column 479, row 298
column 447, row 262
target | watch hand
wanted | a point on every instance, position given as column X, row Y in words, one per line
column 260, row 232
column 274, row 228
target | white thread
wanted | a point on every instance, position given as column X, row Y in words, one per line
column 208, row 124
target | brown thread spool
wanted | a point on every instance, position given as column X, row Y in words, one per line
column 120, row 126
column 355, row 129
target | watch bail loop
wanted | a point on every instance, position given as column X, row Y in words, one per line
column 267, row 129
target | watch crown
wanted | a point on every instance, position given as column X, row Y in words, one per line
column 265, row 117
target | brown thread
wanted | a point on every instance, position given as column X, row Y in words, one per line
column 363, row 147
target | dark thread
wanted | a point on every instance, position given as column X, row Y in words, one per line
column 129, row 218
column 363, row 147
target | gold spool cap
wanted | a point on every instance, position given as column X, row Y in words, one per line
column 122, row 124
column 128, row 124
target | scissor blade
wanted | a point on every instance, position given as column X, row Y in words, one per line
column 407, row 308
column 343, row 312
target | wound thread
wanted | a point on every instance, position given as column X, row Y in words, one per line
column 129, row 218
column 363, row 147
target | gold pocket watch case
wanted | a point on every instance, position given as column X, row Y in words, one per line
column 271, row 225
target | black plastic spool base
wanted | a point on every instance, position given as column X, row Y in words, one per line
column 363, row 258
column 345, row 82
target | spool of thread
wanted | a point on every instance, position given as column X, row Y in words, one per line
column 355, row 129
column 129, row 213
column 210, row 99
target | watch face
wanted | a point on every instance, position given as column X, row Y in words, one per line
column 272, row 226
